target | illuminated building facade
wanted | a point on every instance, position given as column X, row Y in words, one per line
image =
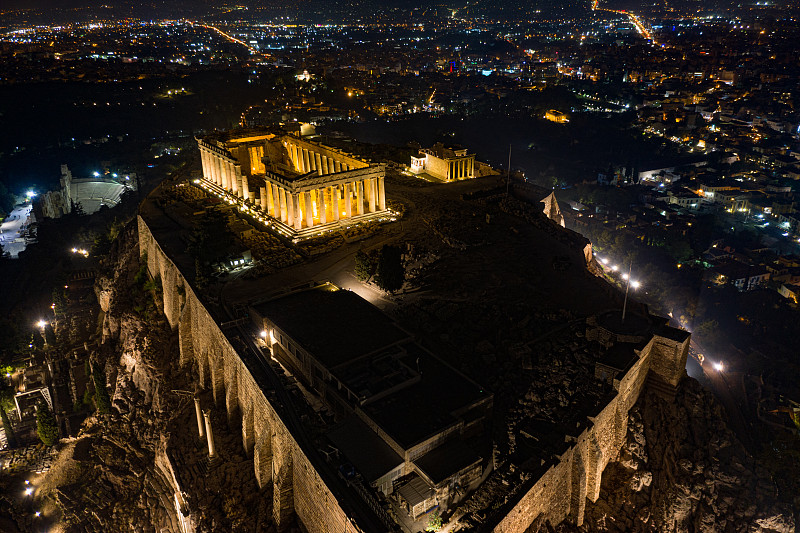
column 446, row 164
column 556, row 116
column 304, row 186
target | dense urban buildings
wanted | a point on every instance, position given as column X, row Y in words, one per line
column 347, row 266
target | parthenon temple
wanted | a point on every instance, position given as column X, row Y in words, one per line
column 304, row 186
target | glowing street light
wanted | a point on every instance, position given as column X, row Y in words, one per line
column 635, row 284
column 614, row 268
column 41, row 323
column 96, row 174
column 718, row 366
column 263, row 334
column 28, row 491
column 626, row 276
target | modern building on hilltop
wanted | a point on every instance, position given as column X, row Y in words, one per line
column 305, row 187
column 446, row 164
column 409, row 422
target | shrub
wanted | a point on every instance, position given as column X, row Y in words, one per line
column 390, row 273
column 46, row 425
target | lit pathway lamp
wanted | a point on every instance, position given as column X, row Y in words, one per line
column 42, row 324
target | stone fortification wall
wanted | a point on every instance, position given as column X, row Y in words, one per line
column 562, row 491
column 298, row 489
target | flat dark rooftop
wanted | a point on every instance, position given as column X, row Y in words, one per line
column 446, row 460
column 336, row 326
column 414, row 413
column 371, row 456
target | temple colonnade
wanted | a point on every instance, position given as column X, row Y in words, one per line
column 321, row 205
column 459, row 169
column 223, row 170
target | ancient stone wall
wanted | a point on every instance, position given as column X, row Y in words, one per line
column 562, row 491
column 297, row 487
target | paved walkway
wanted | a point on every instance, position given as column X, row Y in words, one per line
column 11, row 229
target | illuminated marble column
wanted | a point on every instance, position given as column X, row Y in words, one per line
column 381, row 194
column 266, row 198
column 287, row 207
column 209, row 167
column 298, row 214
column 198, row 412
column 309, row 213
column 212, row 451
column 360, row 197
column 318, row 163
column 217, row 171
column 348, row 200
column 279, row 197
column 215, row 167
column 306, row 164
column 232, row 178
column 212, row 157
column 203, row 162
column 338, row 166
column 345, row 167
column 243, row 180
column 370, row 185
column 335, row 202
column 223, row 174
column 295, row 160
column 323, row 206
column 270, row 207
column 327, row 164
column 212, row 167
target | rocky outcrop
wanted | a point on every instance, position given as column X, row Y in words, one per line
column 682, row 469
column 142, row 467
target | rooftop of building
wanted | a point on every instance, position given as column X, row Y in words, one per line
column 371, row 456
column 424, row 408
column 335, row 326
column 447, row 460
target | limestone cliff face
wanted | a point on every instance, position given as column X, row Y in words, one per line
column 142, row 467
column 682, row 469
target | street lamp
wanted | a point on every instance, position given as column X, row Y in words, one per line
column 41, row 324
column 718, row 366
